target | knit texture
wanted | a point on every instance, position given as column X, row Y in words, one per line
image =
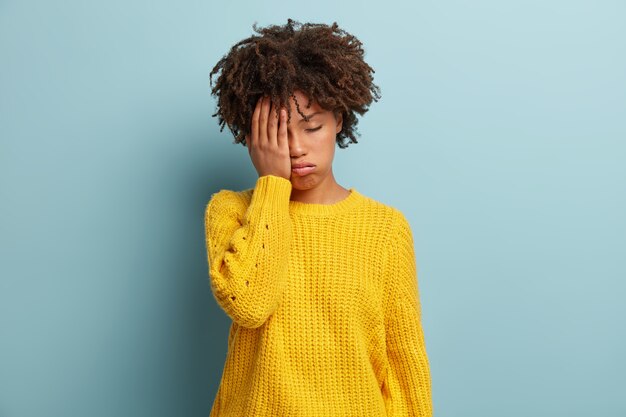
column 324, row 304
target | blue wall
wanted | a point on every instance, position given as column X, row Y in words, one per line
column 500, row 134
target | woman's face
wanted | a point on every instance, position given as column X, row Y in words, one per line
column 312, row 142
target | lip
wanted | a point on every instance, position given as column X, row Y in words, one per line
column 304, row 170
column 302, row 165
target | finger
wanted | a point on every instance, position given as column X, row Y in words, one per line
column 282, row 129
column 263, row 138
column 255, row 124
column 272, row 126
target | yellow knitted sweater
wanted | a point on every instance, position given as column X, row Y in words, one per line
column 324, row 305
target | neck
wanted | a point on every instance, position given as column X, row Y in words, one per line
column 326, row 192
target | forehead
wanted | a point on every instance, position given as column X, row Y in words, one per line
column 310, row 116
column 303, row 100
column 315, row 110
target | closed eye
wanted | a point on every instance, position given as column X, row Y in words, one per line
column 313, row 130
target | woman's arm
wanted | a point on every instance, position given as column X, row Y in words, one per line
column 248, row 254
column 407, row 387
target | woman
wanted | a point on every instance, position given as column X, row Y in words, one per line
column 319, row 281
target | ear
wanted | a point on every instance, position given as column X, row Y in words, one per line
column 339, row 118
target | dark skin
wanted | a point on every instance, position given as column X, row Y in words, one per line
column 275, row 144
column 324, row 62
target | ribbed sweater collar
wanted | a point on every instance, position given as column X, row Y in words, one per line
column 315, row 209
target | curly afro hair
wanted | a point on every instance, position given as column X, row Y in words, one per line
column 324, row 62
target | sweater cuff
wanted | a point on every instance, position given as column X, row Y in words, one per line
column 272, row 190
column 270, row 198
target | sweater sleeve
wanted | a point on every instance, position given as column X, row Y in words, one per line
column 248, row 251
column 407, row 387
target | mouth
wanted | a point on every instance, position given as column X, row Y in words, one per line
column 303, row 169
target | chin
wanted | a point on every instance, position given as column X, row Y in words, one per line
column 303, row 183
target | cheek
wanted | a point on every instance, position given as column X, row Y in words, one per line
column 322, row 141
column 325, row 142
column 328, row 133
column 329, row 146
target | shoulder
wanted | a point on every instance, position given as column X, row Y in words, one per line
column 228, row 201
column 394, row 224
column 389, row 217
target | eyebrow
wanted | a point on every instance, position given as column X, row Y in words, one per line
column 309, row 116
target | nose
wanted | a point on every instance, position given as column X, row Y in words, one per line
column 295, row 144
